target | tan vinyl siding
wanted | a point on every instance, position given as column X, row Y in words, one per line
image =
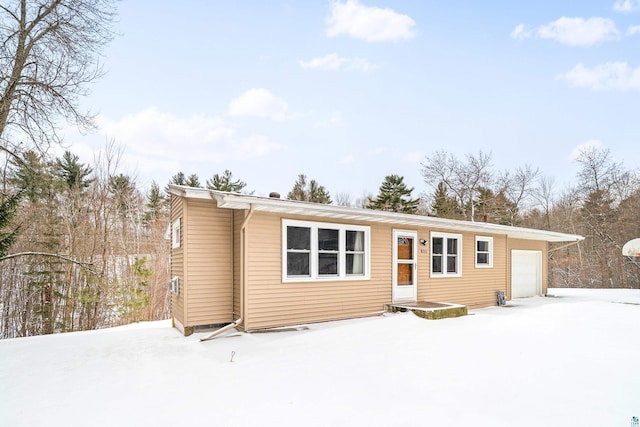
column 528, row 245
column 177, row 262
column 270, row 302
column 209, row 264
column 476, row 287
column 238, row 219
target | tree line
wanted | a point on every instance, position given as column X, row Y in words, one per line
column 87, row 249
column 83, row 246
column 603, row 206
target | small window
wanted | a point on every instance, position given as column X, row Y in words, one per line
column 446, row 255
column 484, row 252
column 175, row 234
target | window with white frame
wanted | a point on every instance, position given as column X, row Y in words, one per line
column 175, row 234
column 446, row 254
column 484, row 252
column 318, row 250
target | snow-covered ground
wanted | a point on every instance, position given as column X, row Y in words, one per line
column 571, row 360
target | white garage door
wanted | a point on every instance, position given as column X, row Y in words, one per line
column 526, row 273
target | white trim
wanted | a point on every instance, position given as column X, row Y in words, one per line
column 395, row 289
column 292, row 207
column 178, row 325
column 174, row 285
column 444, row 273
column 490, row 252
column 313, row 256
column 175, row 234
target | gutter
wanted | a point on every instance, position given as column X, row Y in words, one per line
column 240, row 320
column 565, row 246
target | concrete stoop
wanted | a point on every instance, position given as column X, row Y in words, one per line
column 429, row 310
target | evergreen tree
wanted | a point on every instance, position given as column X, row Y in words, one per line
column 394, row 196
column 178, row 179
column 8, row 236
column 309, row 192
column 72, row 173
column 443, row 205
column 155, row 204
column 193, row 181
column 134, row 294
column 225, row 182
column 31, row 175
column 122, row 187
column 181, row 179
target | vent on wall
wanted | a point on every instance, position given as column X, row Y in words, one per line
column 174, row 285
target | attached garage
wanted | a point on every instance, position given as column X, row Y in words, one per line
column 526, row 273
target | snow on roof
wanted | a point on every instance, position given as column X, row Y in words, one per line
column 294, row 207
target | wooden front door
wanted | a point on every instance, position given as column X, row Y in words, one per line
column 405, row 281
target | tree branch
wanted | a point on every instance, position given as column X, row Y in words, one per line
column 84, row 265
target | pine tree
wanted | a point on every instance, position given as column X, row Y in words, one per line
column 193, row 181
column 178, row 179
column 72, row 173
column 181, row 179
column 156, row 203
column 394, row 196
column 123, row 188
column 134, row 294
column 443, row 205
column 309, row 192
column 31, row 175
column 225, row 182
column 8, row 236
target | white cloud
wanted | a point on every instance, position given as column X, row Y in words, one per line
column 157, row 136
column 612, row 75
column 259, row 103
column 520, row 32
column 335, row 62
column 633, row 30
column 572, row 31
column 372, row 24
column 626, row 5
column 585, row 147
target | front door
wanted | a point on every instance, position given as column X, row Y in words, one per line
column 405, row 281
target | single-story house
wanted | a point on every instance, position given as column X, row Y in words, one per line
column 262, row 262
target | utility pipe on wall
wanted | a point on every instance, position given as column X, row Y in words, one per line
column 242, row 276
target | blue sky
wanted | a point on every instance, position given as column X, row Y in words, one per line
column 349, row 91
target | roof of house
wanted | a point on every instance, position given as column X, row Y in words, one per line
column 293, row 207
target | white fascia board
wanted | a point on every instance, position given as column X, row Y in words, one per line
column 294, row 207
column 189, row 192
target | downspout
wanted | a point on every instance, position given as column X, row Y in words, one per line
column 242, row 276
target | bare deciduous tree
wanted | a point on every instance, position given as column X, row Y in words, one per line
column 49, row 52
column 518, row 188
column 463, row 179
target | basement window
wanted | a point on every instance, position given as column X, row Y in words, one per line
column 324, row 251
column 484, row 252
